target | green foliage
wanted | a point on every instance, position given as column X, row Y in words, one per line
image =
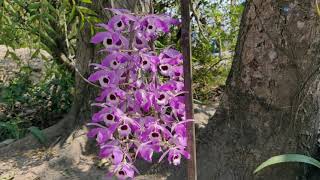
column 41, row 104
column 285, row 158
column 48, row 24
column 215, row 25
column 37, row 133
column 10, row 130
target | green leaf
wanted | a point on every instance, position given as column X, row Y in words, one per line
column 35, row 5
column 82, row 20
column 12, row 129
column 34, row 17
column 86, row 10
column 93, row 19
column 38, row 134
column 10, row 7
column 14, row 56
column 49, row 28
column 158, row 44
column 46, row 37
column 35, row 54
column 288, row 158
column 53, row 9
column 72, row 14
column 86, row 1
column 50, row 17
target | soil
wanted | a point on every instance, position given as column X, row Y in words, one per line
column 75, row 157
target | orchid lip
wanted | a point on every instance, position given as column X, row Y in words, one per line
column 109, row 41
column 119, row 24
column 155, row 135
column 144, row 62
column 114, row 64
column 161, row 97
column 105, row 80
column 124, row 127
column 164, row 68
column 109, row 117
column 112, row 97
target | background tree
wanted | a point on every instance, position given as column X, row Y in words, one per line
column 271, row 102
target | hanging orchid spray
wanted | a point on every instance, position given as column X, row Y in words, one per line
column 142, row 109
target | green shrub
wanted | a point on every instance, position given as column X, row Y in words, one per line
column 41, row 104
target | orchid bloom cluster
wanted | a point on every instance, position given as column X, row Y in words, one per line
column 142, row 97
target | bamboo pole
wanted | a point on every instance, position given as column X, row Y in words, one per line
column 186, row 51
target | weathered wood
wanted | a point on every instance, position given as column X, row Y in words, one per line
column 186, row 51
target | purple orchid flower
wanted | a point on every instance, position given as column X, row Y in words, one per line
column 114, row 59
column 124, row 130
column 111, row 40
column 149, row 62
column 113, row 152
column 118, row 23
column 102, row 133
column 125, row 171
column 174, row 156
column 142, row 98
column 152, row 25
column 108, row 115
column 105, row 78
column 112, row 96
column 177, row 73
column 140, row 41
column 171, row 56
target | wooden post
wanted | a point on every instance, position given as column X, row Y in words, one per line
column 186, row 51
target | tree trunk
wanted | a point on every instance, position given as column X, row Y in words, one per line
column 271, row 102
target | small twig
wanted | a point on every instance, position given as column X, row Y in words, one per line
column 213, row 65
column 86, row 80
column 194, row 14
column 66, row 61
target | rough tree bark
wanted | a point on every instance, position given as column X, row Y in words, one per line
column 271, row 102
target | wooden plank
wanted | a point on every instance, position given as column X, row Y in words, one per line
column 186, row 51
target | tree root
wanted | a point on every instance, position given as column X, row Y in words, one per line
column 54, row 134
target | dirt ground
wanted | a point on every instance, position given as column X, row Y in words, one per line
column 75, row 158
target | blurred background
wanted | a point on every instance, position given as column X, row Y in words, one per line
column 38, row 43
